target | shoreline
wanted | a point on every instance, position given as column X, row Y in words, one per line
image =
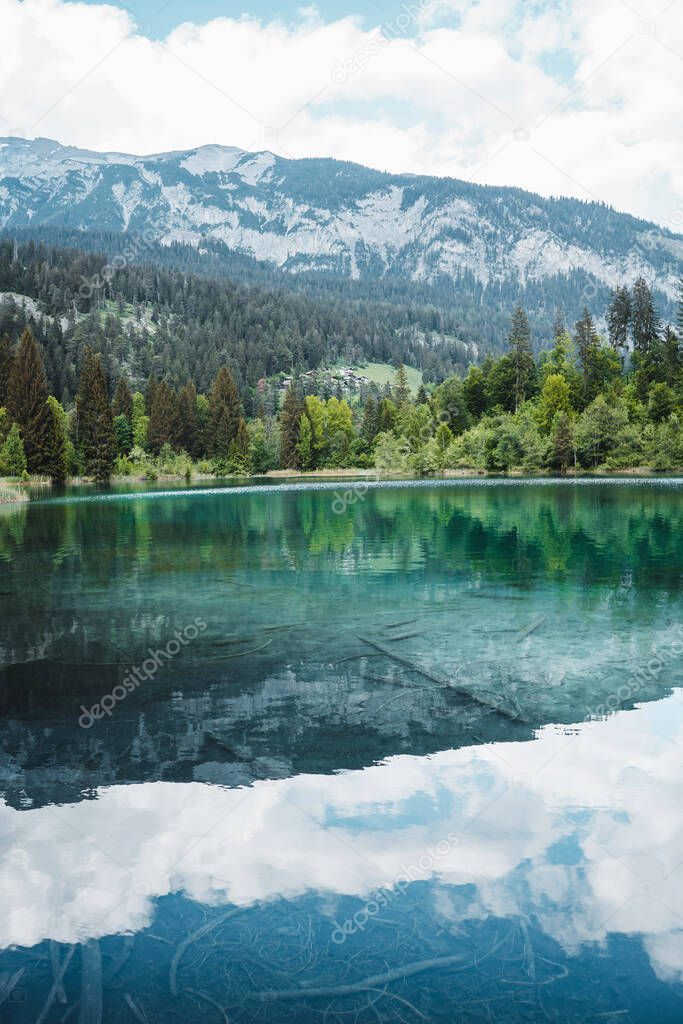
column 13, row 492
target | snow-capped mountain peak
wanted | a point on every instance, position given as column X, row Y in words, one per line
column 329, row 215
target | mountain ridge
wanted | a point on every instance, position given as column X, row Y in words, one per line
column 333, row 217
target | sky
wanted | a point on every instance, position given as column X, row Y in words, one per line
column 562, row 97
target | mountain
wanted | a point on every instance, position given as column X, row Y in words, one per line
column 339, row 218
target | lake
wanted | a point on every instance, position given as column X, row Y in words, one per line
column 343, row 753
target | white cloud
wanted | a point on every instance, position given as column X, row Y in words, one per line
column 621, row 774
column 443, row 92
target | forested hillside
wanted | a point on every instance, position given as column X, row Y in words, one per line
column 143, row 319
column 471, row 250
column 457, row 305
column 587, row 403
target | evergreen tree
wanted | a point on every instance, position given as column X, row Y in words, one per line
column 520, row 355
column 562, row 442
column 96, row 436
column 587, row 342
column 122, row 402
column 305, row 452
column 240, row 450
column 124, row 435
column 474, row 387
column 5, row 367
column 401, row 392
column 264, row 447
column 225, row 411
column 645, row 321
column 559, row 327
column 619, row 319
column 58, row 462
column 672, row 356
column 12, row 455
column 451, row 404
column 187, row 420
column 370, row 423
column 387, row 416
column 422, row 397
column 289, row 425
column 150, row 392
column 140, row 422
column 163, row 420
column 27, row 404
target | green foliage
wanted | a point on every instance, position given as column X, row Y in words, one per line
column 140, row 420
column 474, row 389
column 662, row 402
column 305, row 447
column 5, row 366
column 122, row 402
column 27, row 404
column 189, row 435
column 12, row 456
column 338, row 428
column 124, row 434
column 583, row 404
column 599, row 431
column 451, row 405
column 562, row 442
column 391, row 453
column 401, row 389
column 264, row 444
column 164, row 420
column 290, row 425
column 500, row 383
column 224, row 415
column 240, row 451
column 96, row 437
column 554, row 398
column 62, row 456
column 521, row 359
column 619, row 318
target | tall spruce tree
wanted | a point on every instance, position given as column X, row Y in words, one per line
column 520, row 354
column 290, row 418
column 27, row 404
column 57, row 467
column 225, row 411
column 188, row 424
column 5, row 367
column 401, row 391
column 96, row 436
column 150, row 391
column 164, row 426
column 645, row 321
column 122, row 402
column 124, row 435
column 240, row 450
column 619, row 319
column 672, row 357
column 587, row 341
column 370, row 424
column 559, row 327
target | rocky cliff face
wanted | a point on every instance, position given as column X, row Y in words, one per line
column 331, row 216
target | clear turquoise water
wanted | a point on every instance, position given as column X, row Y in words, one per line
column 403, row 753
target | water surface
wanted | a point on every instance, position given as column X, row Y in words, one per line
column 399, row 753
